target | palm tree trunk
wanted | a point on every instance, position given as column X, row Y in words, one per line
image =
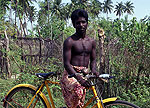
column 31, row 26
column 21, row 27
column 16, row 14
column 10, row 14
column 25, row 26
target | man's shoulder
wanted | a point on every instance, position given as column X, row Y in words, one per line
column 92, row 41
column 90, row 38
column 69, row 40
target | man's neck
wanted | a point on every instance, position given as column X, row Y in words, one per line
column 80, row 35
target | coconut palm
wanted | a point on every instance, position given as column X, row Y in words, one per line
column 4, row 5
column 95, row 7
column 107, row 7
column 67, row 10
column 83, row 4
column 44, row 12
column 56, row 8
column 21, row 8
column 119, row 9
column 129, row 7
column 69, row 7
column 32, row 13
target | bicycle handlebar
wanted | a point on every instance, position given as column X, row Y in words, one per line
column 104, row 77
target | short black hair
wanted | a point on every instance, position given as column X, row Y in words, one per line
column 79, row 13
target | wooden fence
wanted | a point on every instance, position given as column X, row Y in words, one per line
column 33, row 51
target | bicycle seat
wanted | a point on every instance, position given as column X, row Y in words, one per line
column 45, row 75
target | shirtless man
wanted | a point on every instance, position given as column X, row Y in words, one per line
column 79, row 51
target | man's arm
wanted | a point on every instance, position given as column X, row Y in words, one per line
column 93, row 59
column 67, row 56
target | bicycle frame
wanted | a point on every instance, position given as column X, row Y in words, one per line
column 99, row 103
column 39, row 89
column 10, row 101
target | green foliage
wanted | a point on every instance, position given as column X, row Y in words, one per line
column 68, row 31
column 52, row 29
column 129, row 59
column 4, row 88
column 127, row 45
column 6, row 25
column 57, row 95
column 28, row 77
column 30, row 70
column 138, row 95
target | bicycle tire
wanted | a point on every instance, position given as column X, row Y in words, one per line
column 119, row 104
column 21, row 96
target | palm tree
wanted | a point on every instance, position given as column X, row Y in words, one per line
column 107, row 7
column 24, row 11
column 4, row 5
column 95, row 7
column 83, row 4
column 129, row 7
column 56, row 8
column 21, row 8
column 69, row 7
column 119, row 9
column 44, row 12
column 66, row 10
column 32, row 13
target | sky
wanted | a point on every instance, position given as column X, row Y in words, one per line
column 142, row 8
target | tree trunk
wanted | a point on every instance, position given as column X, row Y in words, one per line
column 102, row 56
column 101, row 49
column 1, row 59
column 25, row 24
column 10, row 13
column 141, row 67
column 7, row 60
column 16, row 13
column 22, row 27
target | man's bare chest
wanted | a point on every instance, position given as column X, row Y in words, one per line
column 82, row 47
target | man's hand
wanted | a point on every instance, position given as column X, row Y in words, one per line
column 83, row 82
column 96, row 74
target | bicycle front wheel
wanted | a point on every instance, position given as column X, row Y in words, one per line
column 119, row 104
column 20, row 97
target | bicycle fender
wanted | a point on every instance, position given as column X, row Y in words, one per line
column 109, row 100
column 34, row 88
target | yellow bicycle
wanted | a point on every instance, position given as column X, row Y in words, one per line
column 28, row 96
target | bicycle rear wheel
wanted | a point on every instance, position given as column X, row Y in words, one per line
column 20, row 97
column 119, row 104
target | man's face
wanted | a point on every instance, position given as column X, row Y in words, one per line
column 81, row 25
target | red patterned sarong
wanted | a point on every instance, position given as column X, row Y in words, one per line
column 73, row 92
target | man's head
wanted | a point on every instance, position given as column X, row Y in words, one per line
column 78, row 13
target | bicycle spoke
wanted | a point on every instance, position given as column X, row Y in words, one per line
column 21, row 97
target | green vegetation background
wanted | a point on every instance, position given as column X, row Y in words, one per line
column 127, row 44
